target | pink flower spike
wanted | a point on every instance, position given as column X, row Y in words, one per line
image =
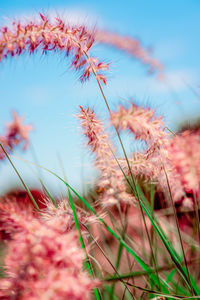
column 111, row 184
column 52, row 36
column 142, row 122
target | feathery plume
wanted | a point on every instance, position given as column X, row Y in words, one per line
column 142, row 122
column 184, row 154
column 157, row 168
column 45, row 35
column 111, row 183
column 62, row 215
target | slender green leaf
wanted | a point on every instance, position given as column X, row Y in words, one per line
column 81, row 240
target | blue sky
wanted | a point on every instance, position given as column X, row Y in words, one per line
column 48, row 94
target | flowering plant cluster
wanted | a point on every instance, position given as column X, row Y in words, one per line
column 136, row 235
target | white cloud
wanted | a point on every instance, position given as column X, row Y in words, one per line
column 175, row 79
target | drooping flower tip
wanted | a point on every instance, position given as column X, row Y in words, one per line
column 96, row 68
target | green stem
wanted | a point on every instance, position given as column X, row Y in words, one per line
column 22, row 181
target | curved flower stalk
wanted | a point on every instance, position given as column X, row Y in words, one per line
column 71, row 39
column 43, row 261
column 16, row 133
column 112, row 182
column 49, row 36
column 132, row 46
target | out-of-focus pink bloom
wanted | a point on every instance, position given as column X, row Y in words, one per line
column 44, row 262
column 17, row 132
column 184, row 154
column 17, row 206
column 14, row 215
column 22, row 197
column 132, row 46
column 112, row 183
column 48, row 36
